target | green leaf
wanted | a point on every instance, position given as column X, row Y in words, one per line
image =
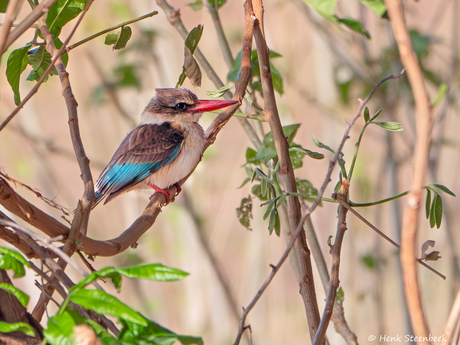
column 428, row 203
column 153, row 334
column 220, row 92
column 25, row 328
column 421, row 43
column 217, row 3
column 111, row 39
column 16, row 64
column 390, row 126
column 442, row 188
column 3, row 5
column 263, row 187
column 10, row 259
column 125, row 35
column 370, row 261
column 433, row 211
column 377, row 114
column 442, row 91
column 264, row 154
column 340, row 297
column 366, row 114
column 244, row 212
column 326, row 8
column 250, row 155
column 194, row 37
column 321, row 145
column 378, row 6
column 281, row 200
column 40, row 61
column 234, row 73
column 197, row 5
column 190, row 68
column 344, row 90
column 274, row 222
column 289, row 132
column 311, row 154
column 269, row 208
column 257, row 192
column 355, row 26
column 126, row 75
column 155, row 272
column 245, row 181
column 21, row 296
column 306, row 188
column 60, row 329
column 65, row 57
column 103, row 303
column 277, row 79
column 438, row 210
column 62, row 12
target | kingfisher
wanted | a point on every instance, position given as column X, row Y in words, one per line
column 162, row 150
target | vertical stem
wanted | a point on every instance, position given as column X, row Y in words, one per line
column 307, row 286
column 423, row 124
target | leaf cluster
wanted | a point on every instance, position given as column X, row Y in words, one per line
column 265, row 187
column 136, row 328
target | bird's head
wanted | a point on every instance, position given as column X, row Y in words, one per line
column 178, row 105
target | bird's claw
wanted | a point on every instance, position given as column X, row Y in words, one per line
column 159, row 190
column 178, row 189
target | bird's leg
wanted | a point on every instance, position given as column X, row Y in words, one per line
column 159, row 190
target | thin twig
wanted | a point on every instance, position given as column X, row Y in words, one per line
column 100, row 33
column 365, row 221
column 224, row 47
column 47, row 242
column 80, row 221
column 336, row 249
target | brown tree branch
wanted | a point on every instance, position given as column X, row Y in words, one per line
column 307, row 286
column 81, row 219
column 423, row 112
column 12, row 11
column 336, row 249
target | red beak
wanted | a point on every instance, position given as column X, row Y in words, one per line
column 209, row 105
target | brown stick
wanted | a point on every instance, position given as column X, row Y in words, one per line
column 307, row 286
column 12, row 11
column 336, row 249
column 423, row 124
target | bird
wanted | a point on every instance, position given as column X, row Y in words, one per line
column 162, row 150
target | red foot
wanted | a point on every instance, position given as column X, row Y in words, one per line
column 159, row 190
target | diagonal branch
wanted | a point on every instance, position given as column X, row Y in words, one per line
column 12, row 11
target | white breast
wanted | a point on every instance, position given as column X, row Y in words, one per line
column 185, row 161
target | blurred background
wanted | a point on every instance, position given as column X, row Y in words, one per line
column 325, row 69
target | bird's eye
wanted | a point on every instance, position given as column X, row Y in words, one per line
column 180, row 106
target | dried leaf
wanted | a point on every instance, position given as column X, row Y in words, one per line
column 192, row 70
column 432, row 256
